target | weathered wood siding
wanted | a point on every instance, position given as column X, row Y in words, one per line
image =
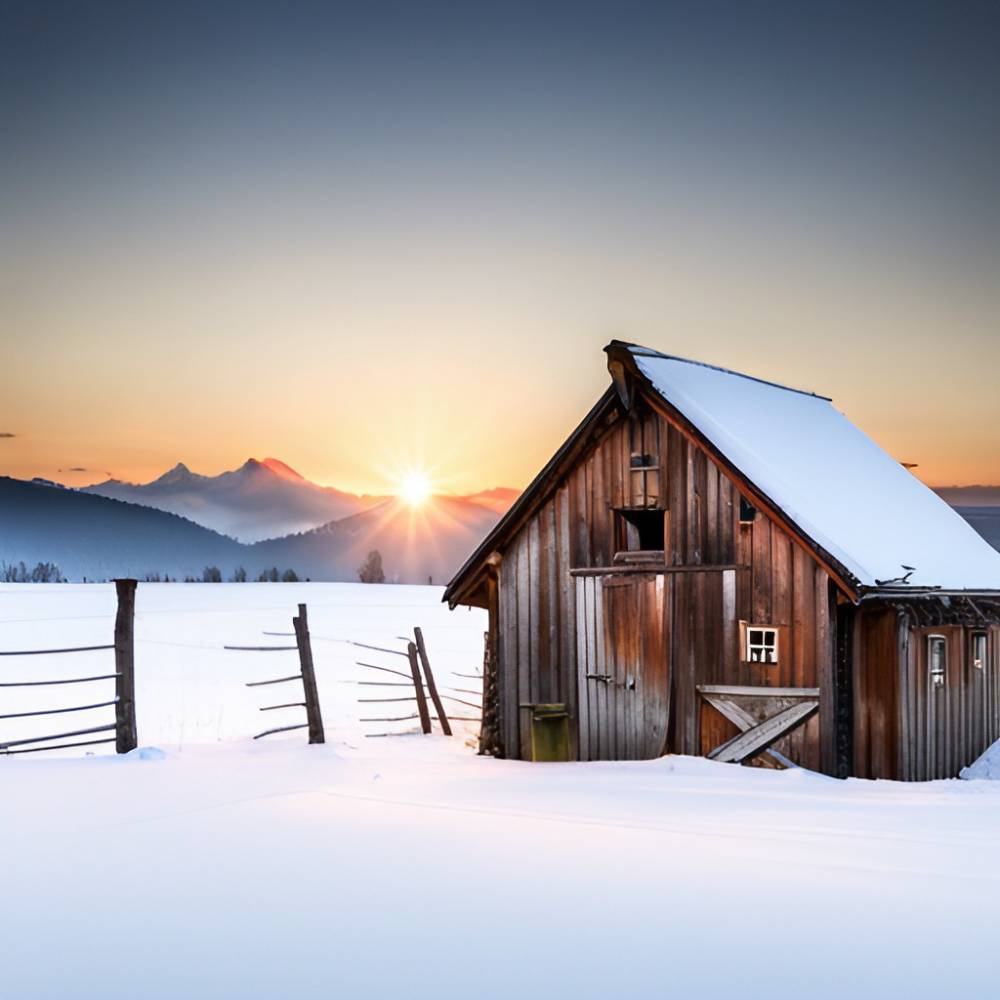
column 876, row 694
column 906, row 727
column 778, row 583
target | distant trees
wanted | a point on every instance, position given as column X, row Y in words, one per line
column 273, row 576
column 43, row 572
column 371, row 571
column 239, row 575
column 211, row 574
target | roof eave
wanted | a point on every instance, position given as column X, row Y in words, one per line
column 918, row 591
column 468, row 576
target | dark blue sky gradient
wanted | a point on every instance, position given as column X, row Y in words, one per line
column 515, row 151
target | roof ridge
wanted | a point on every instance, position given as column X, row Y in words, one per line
column 649, row 352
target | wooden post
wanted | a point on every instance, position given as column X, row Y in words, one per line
column 418, row 687
column 313, row 714
column 431, row 686
column 126, row 737
column 489, row 729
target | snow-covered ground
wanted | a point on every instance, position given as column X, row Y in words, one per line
column 220, row 867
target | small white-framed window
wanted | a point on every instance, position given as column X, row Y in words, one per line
column 937, row 660
column 979, row 649
column 762, row 644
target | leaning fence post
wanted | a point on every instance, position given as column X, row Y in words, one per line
column 418, row 688
column 313, row 714
column 126, row 738
column 431, row 686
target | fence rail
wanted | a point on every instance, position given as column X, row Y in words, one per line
column 277, row 680
column 51, row 652
column 70, row 680
column 59, row 711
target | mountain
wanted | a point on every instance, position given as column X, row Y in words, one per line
column 261, row 499
column 979, row 505
column 969, row 496
column 986, row 520
column 95, row 537
column 416, row 543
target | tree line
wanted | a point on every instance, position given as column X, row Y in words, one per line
column 43, row 572
column 46, row 572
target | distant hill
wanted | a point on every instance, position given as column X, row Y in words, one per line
column 260, row 499
column 96, row 537
column 979, row 505
column 986, row 520
column 970, row 496
column 416, row 543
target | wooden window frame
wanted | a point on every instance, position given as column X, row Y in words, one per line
column 937, row 676
column 747, row 648
column 977, row 637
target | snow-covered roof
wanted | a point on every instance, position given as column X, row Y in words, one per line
column 828, row 477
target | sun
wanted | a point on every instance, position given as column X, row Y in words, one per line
column 415, row 489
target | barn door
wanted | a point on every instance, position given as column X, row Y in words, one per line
column 623, row 665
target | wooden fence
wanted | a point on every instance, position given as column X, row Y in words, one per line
column 417, row 689
column 307, row 674
column 125, row 736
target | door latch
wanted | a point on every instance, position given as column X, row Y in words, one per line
column 603, row 678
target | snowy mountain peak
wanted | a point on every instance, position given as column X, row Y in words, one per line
column 180, row 473
column 279, row 468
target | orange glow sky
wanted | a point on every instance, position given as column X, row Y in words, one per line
column 364, row 248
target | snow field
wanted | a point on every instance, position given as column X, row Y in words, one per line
column 377, row 867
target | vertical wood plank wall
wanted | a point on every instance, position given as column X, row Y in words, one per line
column 904, row 726
column 780, row 583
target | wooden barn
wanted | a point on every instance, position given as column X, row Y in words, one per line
column 714, row 564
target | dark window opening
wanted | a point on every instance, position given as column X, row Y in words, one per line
column 748, row 512
column 640, row 530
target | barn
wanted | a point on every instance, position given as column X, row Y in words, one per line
column 714, row 564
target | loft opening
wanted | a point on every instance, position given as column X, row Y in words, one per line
column 640, row 530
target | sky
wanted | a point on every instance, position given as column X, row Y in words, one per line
column 375, row 238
